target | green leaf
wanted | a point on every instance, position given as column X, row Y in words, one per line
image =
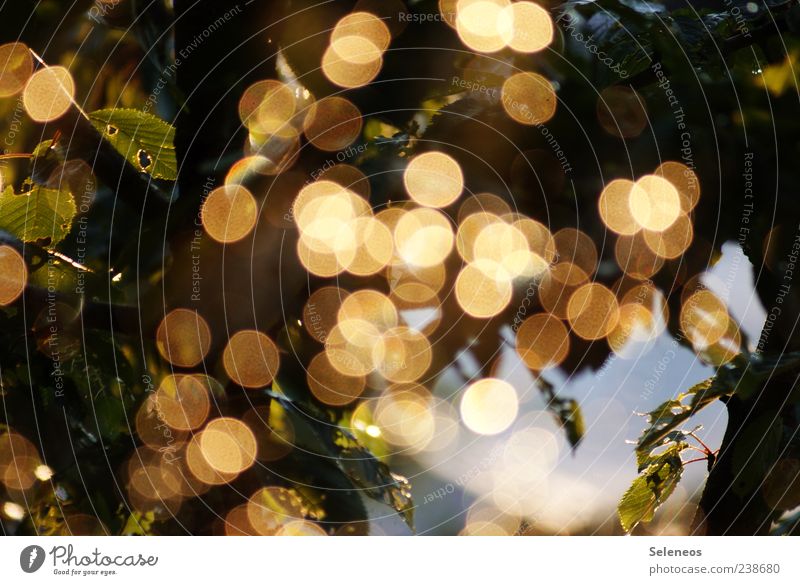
column 147, row 142
column 665, row 418
column 743, row 376
column 40, row 214
column 651, row 488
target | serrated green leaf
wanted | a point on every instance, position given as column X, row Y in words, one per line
column 38, row 215
column 147, row 142
column 651, row 488
column 665, row 418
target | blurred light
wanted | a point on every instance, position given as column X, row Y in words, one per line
column 16, row 67
column 593, row 311
column 48, row 94
column 351, row 61
column 368, row 305
column 482, row 516
column 673, row 241
column 529, row 98
column 636, row 325
column 228, row 445
column 483, row 203
column 405, row 416
column 656, row 205
column 558, row 285
column 489, row 406
column 404, row 355
column 201, row 469
column 614, row 208
column 267, row 107
column 469, row 230
column 13, row 511
column 684, row 179
column 375, row 246
column 183, row 401
column 300, row 528
column 229, row 213
column 354, row 346
column 433, row 179
column 13, row 275
column 332, row 123
column 483, row 289
column 271, row 508
column 348, row 177
column 363, row 24
column 43, row 473
column 526, row 27
column 478, row 23
column 505, row 246
column 237, row 522
column 704, row 319
column 542, row 341
column 635, row 257
column 330, row 386
column 183, row 338
column 321, row 309
column 540, row 240
column 423, row 237
column 251, row 359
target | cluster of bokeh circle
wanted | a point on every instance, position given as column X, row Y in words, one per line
column 437, row 242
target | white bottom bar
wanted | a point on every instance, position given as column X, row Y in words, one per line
column 478, row 560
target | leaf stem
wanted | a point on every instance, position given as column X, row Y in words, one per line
column 11, row 155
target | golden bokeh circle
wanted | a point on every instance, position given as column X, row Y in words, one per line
column 183, row 338
column 614, row 208
column 228, row 445
column 267, row 107
column 48, row 94
column 351, row 61
column 478, row 23
column 528, row 98
column 251, row 359
column 183, row 401
column 704, row 318
column 433, row 179
column 593, row 311
column 332, row 123
column 526, row 27
column 684, row 179
column 229, row 213
column 13, row 275
column 271, row 508
column 542, row 341
column 423, row 237
column 16, row 67
column 482, row 290
column 656, row 205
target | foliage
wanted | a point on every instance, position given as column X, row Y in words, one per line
column 37, row 215
column 147, row 142
column 112, row 262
